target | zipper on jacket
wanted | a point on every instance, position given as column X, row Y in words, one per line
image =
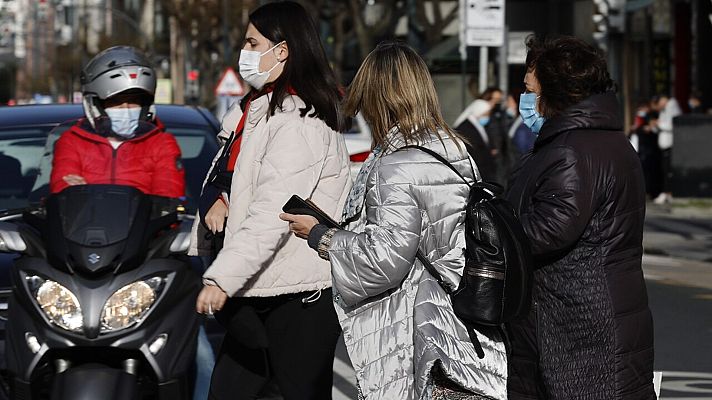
column 113, row 164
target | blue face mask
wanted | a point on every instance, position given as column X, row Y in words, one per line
column 527, row 109
column 124, row 121
column 484, row 121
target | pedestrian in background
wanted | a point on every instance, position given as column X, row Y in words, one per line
column 471, row 125
column 498, row 131
column 485, row 125
column 668, row 108
column 645, row 138
column 520, row 135
column 581, row 200
column 403, row 337
column 270, row 291
column 694, row 103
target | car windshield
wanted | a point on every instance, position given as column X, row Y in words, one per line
column 21, row 150
column 26, row 161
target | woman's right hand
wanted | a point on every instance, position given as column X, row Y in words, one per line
column 215, row 218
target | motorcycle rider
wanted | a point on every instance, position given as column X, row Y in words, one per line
column 121, row 141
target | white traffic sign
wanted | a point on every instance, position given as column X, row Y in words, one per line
column 517, row 47
column 484, row 23
column 229, row 85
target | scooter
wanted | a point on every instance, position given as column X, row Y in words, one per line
column 103, row 302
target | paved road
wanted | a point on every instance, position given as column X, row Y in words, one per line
column 680, row 295
column 675, row 234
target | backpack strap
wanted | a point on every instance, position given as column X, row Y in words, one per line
column 430, row 268
column 439, row 158
column 471, row 331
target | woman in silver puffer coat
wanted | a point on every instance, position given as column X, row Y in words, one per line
column 398, row 324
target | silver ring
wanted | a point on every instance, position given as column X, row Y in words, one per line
column 210, row 309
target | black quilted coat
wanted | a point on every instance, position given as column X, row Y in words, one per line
column 581, row 198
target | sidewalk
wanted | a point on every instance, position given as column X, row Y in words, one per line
column 681, row 230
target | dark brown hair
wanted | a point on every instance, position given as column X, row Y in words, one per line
column 568, row 69
column 489, row 93
column 307, row 69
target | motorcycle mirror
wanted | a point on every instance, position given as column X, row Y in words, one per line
column 10, row 239
column 181, row 243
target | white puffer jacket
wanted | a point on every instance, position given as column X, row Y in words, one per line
column 397, row 321
column 280, row 155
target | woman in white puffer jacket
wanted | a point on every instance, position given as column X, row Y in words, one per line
column 403, row 338
column 270, row 291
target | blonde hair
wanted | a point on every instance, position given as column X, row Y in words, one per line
column 393, row 88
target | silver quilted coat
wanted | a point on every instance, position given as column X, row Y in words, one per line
column 397, row 321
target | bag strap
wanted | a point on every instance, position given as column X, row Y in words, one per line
column 439, row 158
column 430, row 268
column 471, row 331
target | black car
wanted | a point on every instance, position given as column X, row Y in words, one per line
column 24, row 144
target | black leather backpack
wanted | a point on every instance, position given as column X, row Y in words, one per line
column 496, row 283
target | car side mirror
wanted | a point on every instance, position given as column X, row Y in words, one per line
column 10, row 239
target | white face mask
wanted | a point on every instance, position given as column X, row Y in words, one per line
column 124, row 121
column 249, row 65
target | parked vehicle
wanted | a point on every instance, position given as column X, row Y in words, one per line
column 103, row 301
column 358, row 143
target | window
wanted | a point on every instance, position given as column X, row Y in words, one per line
column 20, row 154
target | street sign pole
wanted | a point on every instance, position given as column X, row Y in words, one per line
column 484, row 61
column 463, row 51
column 483, row 27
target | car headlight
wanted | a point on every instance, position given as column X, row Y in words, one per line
column 59, row 304
column 130, row 304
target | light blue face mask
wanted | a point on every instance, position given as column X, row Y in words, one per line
column 527, row 109
column 124, row 121
column 484, row 121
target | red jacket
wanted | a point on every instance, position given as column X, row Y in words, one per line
column 150, row 162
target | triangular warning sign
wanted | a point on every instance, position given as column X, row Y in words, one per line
column 229, row 85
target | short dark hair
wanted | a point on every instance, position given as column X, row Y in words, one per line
column 307, row 69
column 568, row 69
column 489, row 93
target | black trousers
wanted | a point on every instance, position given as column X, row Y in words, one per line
column 285, row 338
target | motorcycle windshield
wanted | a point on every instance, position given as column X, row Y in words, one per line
column 98, row 215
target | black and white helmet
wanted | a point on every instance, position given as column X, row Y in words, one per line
column 117, row 70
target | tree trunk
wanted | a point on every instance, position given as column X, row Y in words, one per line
column 177, row 61
column 148, row 19
column 338, row 26
column 362, row 33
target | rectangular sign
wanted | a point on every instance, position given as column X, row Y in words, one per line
column 164, row 91
column 483, row 22
column 517, row 47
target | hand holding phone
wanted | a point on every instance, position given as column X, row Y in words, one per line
column 298, row 206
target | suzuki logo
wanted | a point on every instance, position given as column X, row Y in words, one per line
column 94, row 258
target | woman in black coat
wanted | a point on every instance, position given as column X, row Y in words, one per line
column 580, row 195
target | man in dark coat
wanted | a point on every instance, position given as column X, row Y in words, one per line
column 580, row 196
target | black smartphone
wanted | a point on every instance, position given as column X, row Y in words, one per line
column 298, row 206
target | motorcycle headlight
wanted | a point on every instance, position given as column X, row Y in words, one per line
column 60, row 305
column 130, row 304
